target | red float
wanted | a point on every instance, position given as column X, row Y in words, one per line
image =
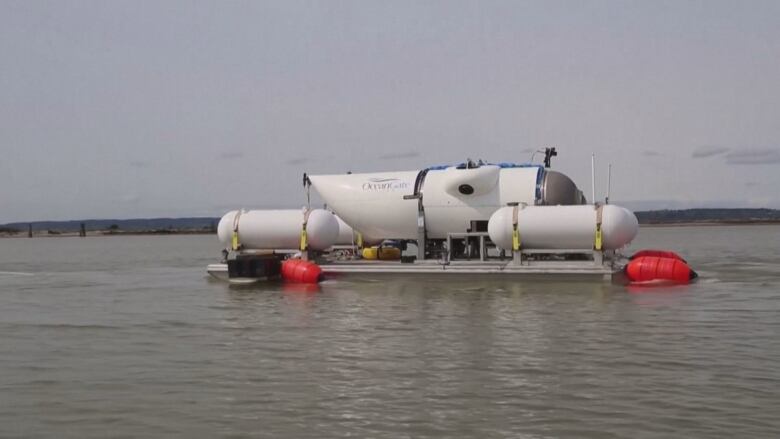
column 300, row 271
column 659, row 253
column 657, row 268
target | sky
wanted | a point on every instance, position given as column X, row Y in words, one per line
column 132, row 109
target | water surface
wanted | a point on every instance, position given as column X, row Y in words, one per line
column 126, row 337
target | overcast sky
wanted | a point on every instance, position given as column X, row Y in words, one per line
column 120, row 109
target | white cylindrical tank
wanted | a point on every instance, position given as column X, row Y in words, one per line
column 346, row 233
column 279, row 229
column 563, row 227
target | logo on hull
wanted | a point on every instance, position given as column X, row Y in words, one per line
column 384, row 184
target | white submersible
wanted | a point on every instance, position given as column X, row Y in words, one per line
column 477, row 218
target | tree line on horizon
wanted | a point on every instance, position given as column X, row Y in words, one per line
column 665, row 216
column 114, row 225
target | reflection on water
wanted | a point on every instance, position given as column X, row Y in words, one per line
column 126, row 335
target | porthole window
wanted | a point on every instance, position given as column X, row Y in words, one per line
column 466, row 189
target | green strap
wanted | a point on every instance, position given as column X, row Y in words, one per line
column 515, row 231
column 597, row 240
column 304, row 237
column 234, row 239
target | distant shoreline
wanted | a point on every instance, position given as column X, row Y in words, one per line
column 167, row 232
column 101, row 233
column 712, row 223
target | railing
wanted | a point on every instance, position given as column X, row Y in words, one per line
column 520, row 256
column 465, row 236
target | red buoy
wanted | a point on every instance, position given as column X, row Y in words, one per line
column 300, row 271
column 654, row 268
column 659, row 253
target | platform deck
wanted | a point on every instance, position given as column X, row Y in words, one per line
column 469, row 267
column 454, row 268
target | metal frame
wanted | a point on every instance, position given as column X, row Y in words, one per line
column 466, row 235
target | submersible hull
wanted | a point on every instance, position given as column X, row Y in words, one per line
column 388, row 205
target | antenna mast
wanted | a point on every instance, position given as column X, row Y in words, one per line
column 593, row 176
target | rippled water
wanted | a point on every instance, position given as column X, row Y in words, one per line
column 125, row 336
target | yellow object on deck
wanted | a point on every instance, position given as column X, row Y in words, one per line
column 515, row 230
column 304, row 240
column 382, row 253
column 597, row 242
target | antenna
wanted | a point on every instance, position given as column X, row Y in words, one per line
column 593, row 176
column 609, row 182
column 549, row 153
column 307, row 185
